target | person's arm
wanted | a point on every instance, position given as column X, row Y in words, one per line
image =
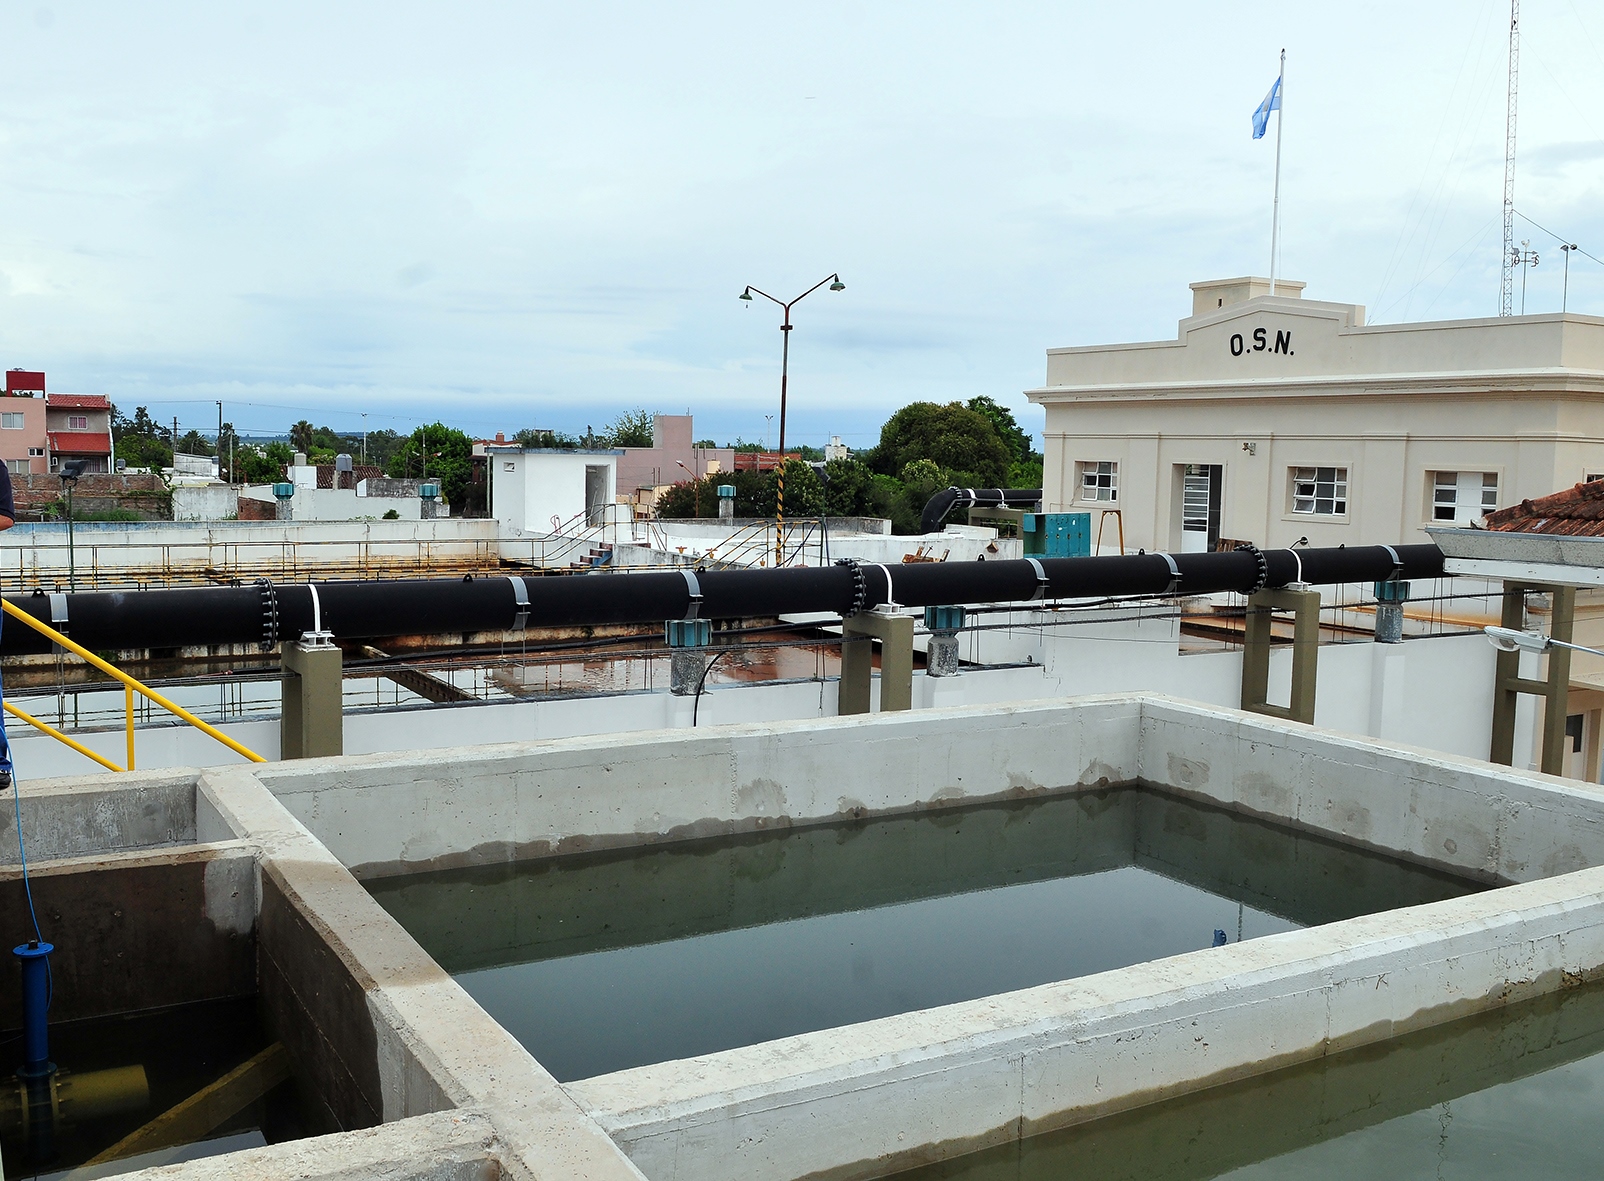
column 8, row 507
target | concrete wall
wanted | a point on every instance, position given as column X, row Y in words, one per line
column 1435, row 693
column 35, row 554
column 206, row 502
column 311, row 503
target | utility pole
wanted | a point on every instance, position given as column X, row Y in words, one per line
column 1565, row 291
column 364, row 438
column 219, row 438
column 1506, row 293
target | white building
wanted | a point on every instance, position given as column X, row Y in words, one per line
column 538, row 490
column 1273, row 418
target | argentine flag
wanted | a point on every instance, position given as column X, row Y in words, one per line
column 1261, row 117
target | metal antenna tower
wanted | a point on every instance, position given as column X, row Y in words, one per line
column 1506, row 292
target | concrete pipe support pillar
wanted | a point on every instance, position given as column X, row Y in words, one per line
column 687, row 641
column 313, row 722
column 1508, row 684
column 943, row 623
column 1390, row 598
column 1305, row 606
column 895, row 633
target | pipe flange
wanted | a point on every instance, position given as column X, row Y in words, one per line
column 1263, row 562
column 860, row 593
column 269, row 596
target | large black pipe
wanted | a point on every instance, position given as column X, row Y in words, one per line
column 200, row 616
column 943, row 502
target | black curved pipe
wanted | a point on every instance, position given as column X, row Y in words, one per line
column 201, row 616
column 943, row 502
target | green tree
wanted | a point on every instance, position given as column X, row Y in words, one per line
column 301, row 434
column 441, row 453
column 846, row 484
column 1014, row 437
column 256, row 466
column 633, row 428
column 960, row 441
column 140, row 441
column 549, row 440
column 382, row 446
column 227, row 446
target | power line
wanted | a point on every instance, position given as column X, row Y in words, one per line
column 1557, row 238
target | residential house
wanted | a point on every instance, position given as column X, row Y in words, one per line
column 79, row 427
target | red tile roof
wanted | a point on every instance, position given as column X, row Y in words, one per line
column 359, row 472
column 1577, row 511
column 78, row 401
column 80, row 442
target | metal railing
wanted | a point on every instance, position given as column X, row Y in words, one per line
column 132, row 563
column 130, row 687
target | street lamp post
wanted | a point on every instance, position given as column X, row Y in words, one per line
column 1565, row 291
column 785, row 363
column 696, row 487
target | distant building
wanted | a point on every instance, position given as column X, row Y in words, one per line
column 1271, row 418
column 79, row 426
column 671, row 458
column 24, row 442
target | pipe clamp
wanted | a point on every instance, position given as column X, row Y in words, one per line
column 1175, row 574
column 1042, row 580
column 693, row 609
column 520, row 598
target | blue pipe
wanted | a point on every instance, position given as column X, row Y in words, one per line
column 35, row 957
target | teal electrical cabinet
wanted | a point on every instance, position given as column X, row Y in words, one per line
column 1057, row 535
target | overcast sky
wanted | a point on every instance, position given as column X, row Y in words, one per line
column 510, row 215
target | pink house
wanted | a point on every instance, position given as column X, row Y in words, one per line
column 24, row 441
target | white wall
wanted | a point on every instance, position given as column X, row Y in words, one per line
column 1434, row 693
column 529, row 489
column 207, row 502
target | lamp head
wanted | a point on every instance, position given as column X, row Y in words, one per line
column 1507, row 639
column 838, row 285
column 747, row 295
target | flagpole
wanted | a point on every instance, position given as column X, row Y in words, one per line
column 1275, row 205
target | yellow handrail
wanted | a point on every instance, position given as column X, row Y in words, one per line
column 55, row 733
column 130, row 685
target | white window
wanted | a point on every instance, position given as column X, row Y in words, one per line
column 1321, row 491
column 1099, row 481
column 1592, row 476
column 13, row 420
column 77, row 422
column 17, row 467
column 1463, row 496
column 37, row 452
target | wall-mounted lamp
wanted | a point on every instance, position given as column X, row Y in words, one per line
column 1507, row 639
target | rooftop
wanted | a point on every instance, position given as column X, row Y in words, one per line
column 1576, row 512
column 78, row 401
